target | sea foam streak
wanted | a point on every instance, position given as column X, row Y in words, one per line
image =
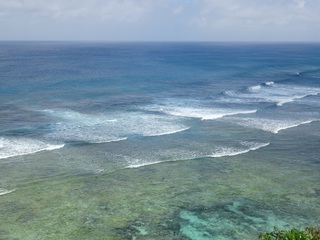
column 11, row 147
column 270, row 125
column 254, row 88
column 243, row 147
column 270, row 92
column 138, row 165
column 233, row 151
column 269, row 83
column 117, row 126
column 203, row 113
column 4, row 191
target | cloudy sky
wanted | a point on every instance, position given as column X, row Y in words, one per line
column 160, row 20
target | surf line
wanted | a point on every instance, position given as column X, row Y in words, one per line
column 4, row 191
column 229, row 152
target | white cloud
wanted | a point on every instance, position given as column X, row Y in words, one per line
column 159, row 19
column 111, row 10
column 253, row 13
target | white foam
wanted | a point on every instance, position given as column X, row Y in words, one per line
column 116, row 126
column 138, row 165
column 269, row 83
column 11, row 147
column 243, row 147
column 233, row 151
column 198, row 112
column 270, row 125
column 294, row 124
column 168, row 132
column 255, row 88
column 4, row 191
column 278, row 94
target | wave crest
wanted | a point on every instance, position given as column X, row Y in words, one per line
column 270, row 125
column 11, row 147
column 270, row 92
column 75, row 126
column 202, row 113
column 233, row 151
column 5, row 191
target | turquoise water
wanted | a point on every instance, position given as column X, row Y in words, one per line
column 158, row 140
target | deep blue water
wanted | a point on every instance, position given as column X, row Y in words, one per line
column 101, row 107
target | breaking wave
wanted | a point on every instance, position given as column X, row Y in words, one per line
column 203, row 113
column 75, row 126
column 270, row 125
column 4, row 191
column 233, row 151
column 221, row 151
column 11, row 147
column 270, row 92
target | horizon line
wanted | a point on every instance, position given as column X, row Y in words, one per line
column 167, row 41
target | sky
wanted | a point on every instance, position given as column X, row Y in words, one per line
column 160, row 20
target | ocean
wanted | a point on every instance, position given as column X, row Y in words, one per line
column 149, row 140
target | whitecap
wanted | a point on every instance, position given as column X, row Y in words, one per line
column 297, row 96
column 116, row 126
column 278, row 94
column 254, row 88
column 11, row 147
column 4, row 191
column 167, row 132
column 233, row 151
column 138, row 165
column 270, row 125
column 224, row 151
column 202, row 113
column 269, row 83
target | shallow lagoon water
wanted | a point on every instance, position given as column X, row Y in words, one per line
column 208, row 198
column 184, row 142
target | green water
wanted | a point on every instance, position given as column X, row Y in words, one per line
column 210, row 198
